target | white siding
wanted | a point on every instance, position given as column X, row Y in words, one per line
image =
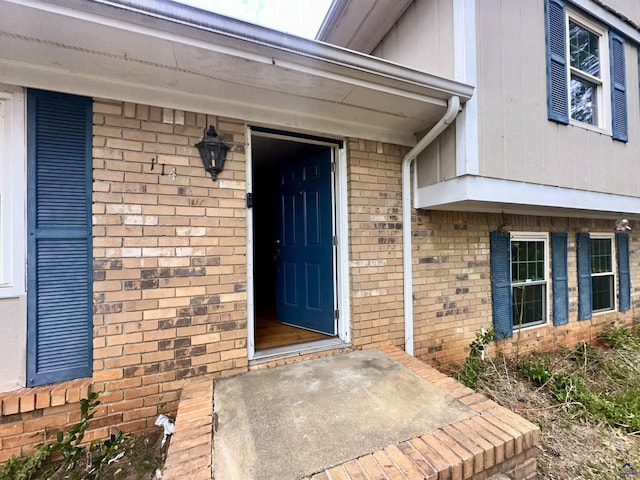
column 437, row 163
column 517, row 142
column 422, row 38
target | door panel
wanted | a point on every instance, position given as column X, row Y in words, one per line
column 304, row 247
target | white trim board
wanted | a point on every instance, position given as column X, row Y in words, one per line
column 482, row 194
column 12, row 192
column 607, row 17
column 340, row 229
column 466, row 71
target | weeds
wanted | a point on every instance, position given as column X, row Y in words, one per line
column 473, row 368
column 96, row 455
column 585, row 399
column 588, row 385
column 537, row 372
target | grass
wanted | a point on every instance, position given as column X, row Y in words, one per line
column 586, row 401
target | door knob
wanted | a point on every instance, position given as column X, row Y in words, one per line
column 276, row 242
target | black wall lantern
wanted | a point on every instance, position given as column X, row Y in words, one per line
column 212, row 152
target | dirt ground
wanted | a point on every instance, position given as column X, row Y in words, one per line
column 574, row 445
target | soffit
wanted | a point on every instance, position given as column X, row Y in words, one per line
column 170, row 55
column 360, row 25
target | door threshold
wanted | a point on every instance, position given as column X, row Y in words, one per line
column 276, row 353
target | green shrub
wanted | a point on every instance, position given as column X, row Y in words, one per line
column 473, row 368
column 97, row 454
column 536, row 372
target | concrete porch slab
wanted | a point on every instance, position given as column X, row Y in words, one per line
column 292, row 421
column 476, row 440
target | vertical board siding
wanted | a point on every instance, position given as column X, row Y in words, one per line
column 59, row 300
column 559, row 278
column 426, row 25
column 517, row 141
column 501, row 284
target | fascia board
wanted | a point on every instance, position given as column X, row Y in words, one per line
column 490, row 194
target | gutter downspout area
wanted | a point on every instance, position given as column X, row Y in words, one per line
column 453, row 108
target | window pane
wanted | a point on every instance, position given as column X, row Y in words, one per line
column 584, row 106
column 527, row 261
column 601, row 258
column 584, row 49
column 602, row 297
column 528, row 304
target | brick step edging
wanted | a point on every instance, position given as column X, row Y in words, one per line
column 190, row 452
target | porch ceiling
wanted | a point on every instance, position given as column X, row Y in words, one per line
column 174, row 56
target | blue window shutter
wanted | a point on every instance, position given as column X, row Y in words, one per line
column 559, row 277
column 618, row 88
column 624, row 278
column 501, row 284
column 59, row 272
column 584, row 276
column 556, row 39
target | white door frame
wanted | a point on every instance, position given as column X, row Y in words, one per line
column 340, row 257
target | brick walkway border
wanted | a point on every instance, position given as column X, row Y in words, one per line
column 494, row 441
column 190, row 454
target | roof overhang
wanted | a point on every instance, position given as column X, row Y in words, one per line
column 471, row 193
column 360, row 24
column 166, row 54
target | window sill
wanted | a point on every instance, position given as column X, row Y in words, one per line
column 592, row 128
column 54, row 395
column 529, row 327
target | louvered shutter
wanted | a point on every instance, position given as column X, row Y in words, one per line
column 618, row 88
column 584, row 276
column 59, row 297
column 624, row 278
column 556, row 39
column 559, row 278
column 501, row 284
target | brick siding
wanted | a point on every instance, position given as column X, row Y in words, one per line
column 451, row 267
column 452, row 284
column 170, row 279
column 170, row 257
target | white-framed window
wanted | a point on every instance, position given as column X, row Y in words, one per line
column 603, row 272
column 12, row 192
column 586, row 72
column 529, row 278
column 589, row 72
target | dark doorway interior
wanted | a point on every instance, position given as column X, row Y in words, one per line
column 269, row 156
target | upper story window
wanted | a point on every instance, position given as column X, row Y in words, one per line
column 586, row 82
column 586, row 88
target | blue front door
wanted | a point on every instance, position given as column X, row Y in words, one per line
column 304, row 246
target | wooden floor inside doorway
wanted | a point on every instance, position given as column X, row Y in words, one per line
column 270, row 334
